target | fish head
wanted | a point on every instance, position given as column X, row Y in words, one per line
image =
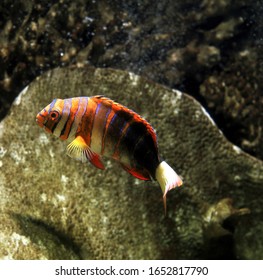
column 49, row 116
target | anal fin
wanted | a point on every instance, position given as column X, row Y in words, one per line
column 139, row 174
column 78, row 149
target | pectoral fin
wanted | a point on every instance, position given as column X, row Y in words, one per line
column 78, row 149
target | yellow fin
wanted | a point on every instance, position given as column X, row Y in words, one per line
column 78, row 149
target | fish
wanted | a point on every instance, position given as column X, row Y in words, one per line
column 98, row 127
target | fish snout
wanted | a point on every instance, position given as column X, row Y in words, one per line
column 40, row 120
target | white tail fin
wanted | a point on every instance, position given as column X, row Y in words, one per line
column 167, row 178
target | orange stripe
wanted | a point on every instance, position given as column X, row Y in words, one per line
column 98, row 127
column 71, row 118
column 110, row 116
column 83, row 103
column 116, row 154
column 88, row 120
column 151, row 131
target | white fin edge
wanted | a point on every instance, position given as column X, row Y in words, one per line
column 167, row 178
column 77, row 152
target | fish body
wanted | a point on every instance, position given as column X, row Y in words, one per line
column 97, row 126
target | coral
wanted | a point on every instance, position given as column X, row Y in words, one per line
column 209, row 49
column 109, row 214
column 235, row 95
column 183, row 44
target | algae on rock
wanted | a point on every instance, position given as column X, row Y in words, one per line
column 109, row 214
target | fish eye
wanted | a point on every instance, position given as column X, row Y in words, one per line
column 54, row 115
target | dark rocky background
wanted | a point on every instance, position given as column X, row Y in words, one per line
column 210, row 49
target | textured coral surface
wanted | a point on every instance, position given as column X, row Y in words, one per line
column 55, row 207
column 210, row 49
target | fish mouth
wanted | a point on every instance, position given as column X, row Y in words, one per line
column 39, row 123
column 40, row 120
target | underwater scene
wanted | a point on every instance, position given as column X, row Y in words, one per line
column 131, row 129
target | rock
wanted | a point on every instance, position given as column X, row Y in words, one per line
column 220, row 222
column 238, row 98
column 96, row 214
column 24, row 238
column 209, row 49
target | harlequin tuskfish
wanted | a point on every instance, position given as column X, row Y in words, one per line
column 97, row 126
